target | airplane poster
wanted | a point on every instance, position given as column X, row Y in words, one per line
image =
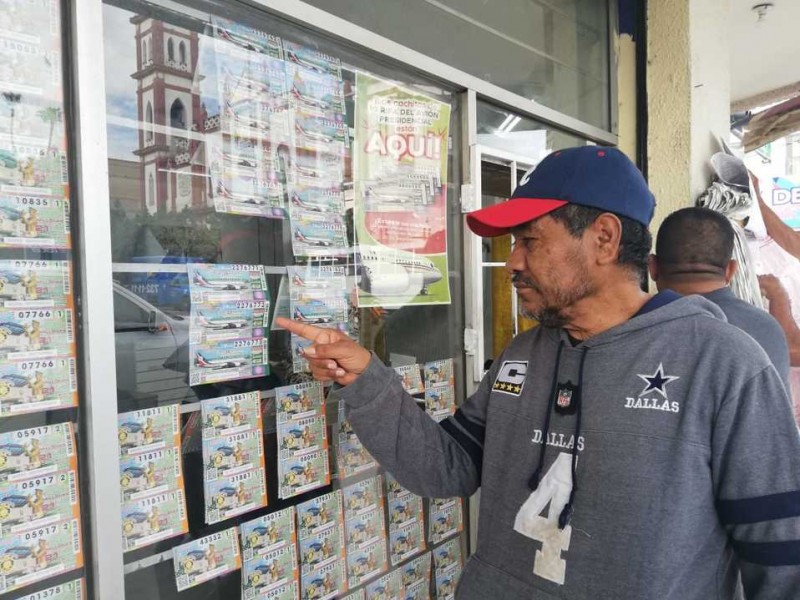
column 400, row 181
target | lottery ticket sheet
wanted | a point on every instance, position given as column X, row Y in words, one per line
column 28, row 284
column 151, row 519
column 206, row 558
column 446, row 518
column 71, row 590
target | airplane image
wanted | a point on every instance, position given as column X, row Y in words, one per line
column 319, row 65
column 242, row 41
column 218, row 363
column 307, row 314
column 237, row 197
column 221, row 323
column 219, row 285
column 312, row 240
column 393, row 272
column 300, row 203
column 310, row 101
column 314, row 135
column 398, row 194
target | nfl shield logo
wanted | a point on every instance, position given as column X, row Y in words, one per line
column 564, row 398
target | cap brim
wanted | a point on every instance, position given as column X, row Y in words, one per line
column 499, row 219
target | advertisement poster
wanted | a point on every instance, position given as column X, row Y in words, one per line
column 206, row 558
column 446, row 518
column 30, row 284
column 447, row 565
column 151, row 476
column 34, row 222
column 400, row 176
column 37, row 554
column 270, row 557
column 230, row 305
column 302, row 439
column 71, row 590
column 30, row 453
column 37, row 333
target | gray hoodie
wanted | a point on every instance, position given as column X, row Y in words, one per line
column 671, row 463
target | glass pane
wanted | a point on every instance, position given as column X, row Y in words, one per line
column 553, row 52
column 232, row 137
column 42, row 521
column 523, row 137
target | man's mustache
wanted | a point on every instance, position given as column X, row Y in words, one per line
column 518, row 280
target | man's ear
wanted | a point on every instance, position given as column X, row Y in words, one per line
column 607, row 232
column 652, row 266
column 730, row 270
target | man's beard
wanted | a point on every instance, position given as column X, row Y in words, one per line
column 553, row 315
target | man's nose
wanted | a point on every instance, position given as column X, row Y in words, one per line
column 516, row 260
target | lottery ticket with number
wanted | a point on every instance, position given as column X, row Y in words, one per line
column 71, row 590
column 35, row 385
column 149, row 520
column 411, row 377
column 272, row 574
column 387, row 587
column 365, row 562
column 40, row 553
column 446, row 519
column 235, row 495
column 29, row 284
column 325, row 582
column 150, row 473
column 268, row 533
column 206, row 558
column 31, row 453
column 230, row 414
column 447, row 565
column 439, row 373
column 149, row 429
column 36, row 333
column 38, row 502
column 34, row 222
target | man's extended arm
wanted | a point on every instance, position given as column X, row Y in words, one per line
column 786, row 237
column 780, row 307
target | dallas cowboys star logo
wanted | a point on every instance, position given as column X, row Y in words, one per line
column 657, row 382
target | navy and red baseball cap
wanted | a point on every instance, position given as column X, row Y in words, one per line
column 593, row 176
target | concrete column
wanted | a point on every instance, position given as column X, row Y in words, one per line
column 688, row 97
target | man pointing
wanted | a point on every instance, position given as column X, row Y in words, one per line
column 632, row 447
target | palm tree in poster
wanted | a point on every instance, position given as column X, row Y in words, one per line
column 51, row 115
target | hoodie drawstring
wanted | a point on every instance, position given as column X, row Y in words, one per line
column 569, row 507
column 533, row 482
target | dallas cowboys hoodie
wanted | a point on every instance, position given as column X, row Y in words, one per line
column 654, row 461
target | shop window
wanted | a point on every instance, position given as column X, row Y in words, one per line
column 556, row 52
column 266, row 179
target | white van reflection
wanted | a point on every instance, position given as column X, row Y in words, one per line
column 145, row 337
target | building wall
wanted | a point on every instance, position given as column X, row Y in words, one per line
column 688, row 97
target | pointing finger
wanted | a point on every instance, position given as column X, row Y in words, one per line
column 308, row 332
